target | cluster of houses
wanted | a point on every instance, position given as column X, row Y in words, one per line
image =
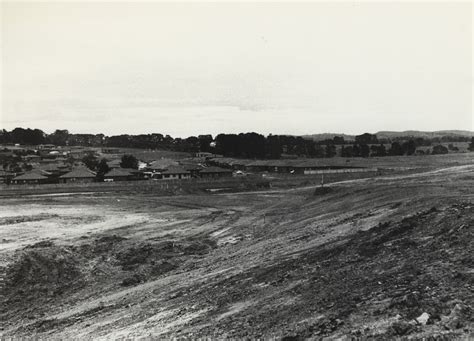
column 58, row 165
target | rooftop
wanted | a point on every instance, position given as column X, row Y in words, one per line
column 215, row 170
column 162, row 164
column 119, row 172
column 31, row 176
column 176, row 170
column 80, row 172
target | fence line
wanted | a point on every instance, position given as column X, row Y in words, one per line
column 138, row 185
column 347, row 170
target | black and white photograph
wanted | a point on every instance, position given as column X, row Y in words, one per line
column 236, row 170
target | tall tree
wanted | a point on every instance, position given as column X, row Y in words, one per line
column 395, row 149
column 409, row 147
column 364, row 150
column 366, row 138
column 102, row 168
column 439, row 149
column 330, row 150
column 90, row 161
column 129, row 161
column 471, row 145
column 59, row 137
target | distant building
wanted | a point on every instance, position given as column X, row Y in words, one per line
column 6, row 177
column 110, row 150
column 174, row 173
column 32, row 177
column 118, row 174
column 33, row 158
column 236, row 164
column 46, row 147
column 203, row 154
column 206, row 155
column 54, row 169
column 161, row 165
column 215, row 172
column 78, row 175
column 114, row 163
column 79, row 154
column 192, row 166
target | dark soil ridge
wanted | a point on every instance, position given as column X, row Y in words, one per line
column 396, row 269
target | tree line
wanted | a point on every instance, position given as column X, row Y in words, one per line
column 243, row 145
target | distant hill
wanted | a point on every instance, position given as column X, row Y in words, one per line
column 395, row 134
column 424, row 134
column 325, row 136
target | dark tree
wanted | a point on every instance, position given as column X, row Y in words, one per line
column 378, row 150
column 366, row 138
column 102, row 168
column 364, row 150
column 471, row 145
column 273, row 148
column 27, row 167
column 330, row 150
column 338, row 140
column 395, row 149
column 355, row 150
column 90, row 161
column 27, row 136
column 5, row 136
column 347, row 151
column 205, row 143
column 453, row 147
column 59, row 137
column 409, row 147
column 439, row 149
column 129, row 161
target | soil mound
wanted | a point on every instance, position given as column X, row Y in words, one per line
column 42, row 271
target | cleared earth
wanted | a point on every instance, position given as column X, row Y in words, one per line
column 364, row 257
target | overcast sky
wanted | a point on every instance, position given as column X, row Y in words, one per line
column 189, row 69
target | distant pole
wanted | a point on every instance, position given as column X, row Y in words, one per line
column 322, row 180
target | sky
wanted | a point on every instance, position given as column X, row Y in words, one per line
column 195, row 68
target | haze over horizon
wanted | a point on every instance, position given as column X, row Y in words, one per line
column 190, row 69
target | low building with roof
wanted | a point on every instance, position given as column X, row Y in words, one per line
column 161, row 165
column 78, row 175
column 175, row 173
column 215, row 172
column 6, row 177
column 118, row 174
column 192, row 166
column 30, row 178
column 228, row 162
column 46, row 146
column 114, row 163
column 55, row 169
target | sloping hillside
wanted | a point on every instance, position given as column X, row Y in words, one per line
column 364, row 258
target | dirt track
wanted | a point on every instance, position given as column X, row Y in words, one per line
column 365, row 259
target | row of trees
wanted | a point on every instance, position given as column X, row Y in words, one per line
column 248, row 145
column 101, row 166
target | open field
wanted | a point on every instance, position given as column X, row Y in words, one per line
column 151, row 155
column 364, row 257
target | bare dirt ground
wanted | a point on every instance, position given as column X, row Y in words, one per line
column 383, row 257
